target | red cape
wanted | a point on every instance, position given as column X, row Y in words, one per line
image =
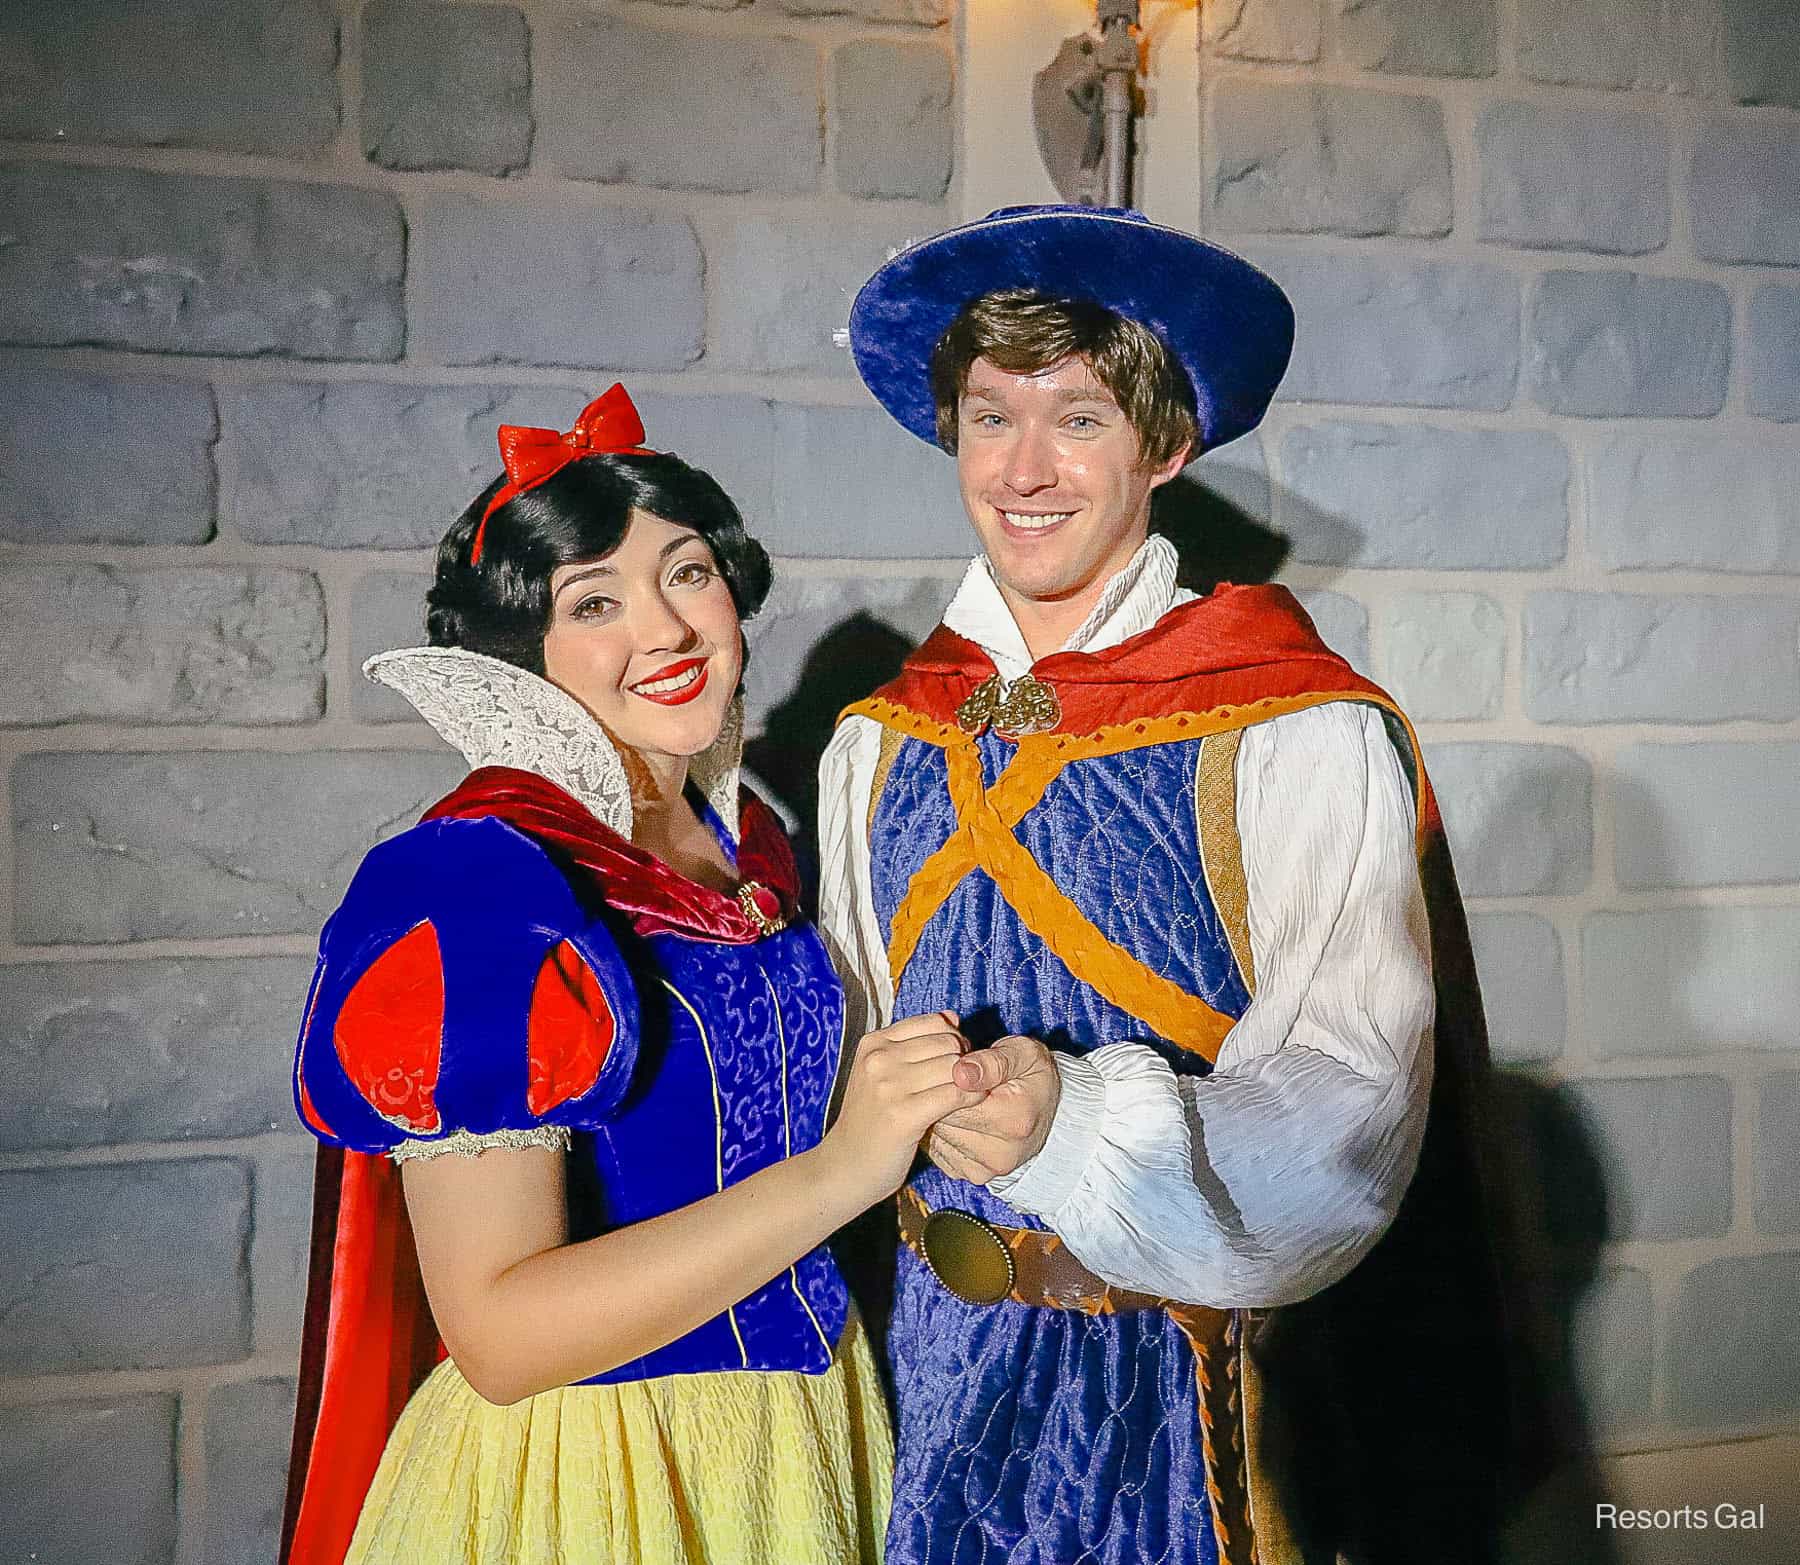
column 1232, row 648
column 368, row 1339
column 1241, row 653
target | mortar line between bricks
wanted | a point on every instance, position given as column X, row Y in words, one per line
column 14, row 953
column 1745, row 1105
column 747, row 22
column 8, row 853
column 96, row 1385
column 1743, row 340
column 1508, row 83
column 228, row 371
column 1506, row 42
column 803, row 391
column 1733, row 1065
column 350, row 82
column 82, row 738
column 1674, row 1258
column 825, row 98
column 579, row 194
column 1519, row 261
column 240, row 1149
column 1636, row 1444
column 830, row 567
column 1578, row 442
column 190, row 1476
column 1684, row 127
column 341, row 673
column 1460, row 119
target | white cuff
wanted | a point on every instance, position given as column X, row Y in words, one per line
column 1042, row 1183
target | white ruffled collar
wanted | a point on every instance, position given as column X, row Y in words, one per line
column 498, row 714
column 1135, row 598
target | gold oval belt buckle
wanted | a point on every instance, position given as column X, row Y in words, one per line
column 967, row 1256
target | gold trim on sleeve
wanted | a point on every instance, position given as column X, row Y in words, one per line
column 471, row 1143
column 1221, row 848
column 888, row 748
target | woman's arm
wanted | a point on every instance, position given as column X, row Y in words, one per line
column 522, row 1310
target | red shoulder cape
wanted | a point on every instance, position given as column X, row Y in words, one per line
column 368, row 1339
column 1247, row 651
column 1237, row 646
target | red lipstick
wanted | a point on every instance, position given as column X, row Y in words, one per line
column 679, row 696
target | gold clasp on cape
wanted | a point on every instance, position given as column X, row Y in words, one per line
column 746, row 898
column 1028, row 706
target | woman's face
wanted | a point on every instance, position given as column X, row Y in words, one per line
column 647, row 638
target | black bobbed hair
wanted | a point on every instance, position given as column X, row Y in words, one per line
column 500, row 606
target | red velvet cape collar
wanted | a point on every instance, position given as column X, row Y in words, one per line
column 1237, row 646
column 658, row 899
column 368, row 1339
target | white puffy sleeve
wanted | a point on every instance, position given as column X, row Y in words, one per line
column 846, row 903
column 1269, row 1179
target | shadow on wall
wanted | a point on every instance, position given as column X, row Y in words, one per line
column 1553, row 1223
column 850, row 661
column 1593, row 1161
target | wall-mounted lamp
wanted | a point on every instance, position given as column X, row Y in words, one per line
column 1084, row 105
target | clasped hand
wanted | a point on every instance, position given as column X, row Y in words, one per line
column 979, row 1113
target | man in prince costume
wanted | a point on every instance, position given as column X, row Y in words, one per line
column 1205, row 1277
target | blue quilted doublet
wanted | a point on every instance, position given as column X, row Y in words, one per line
column 1039, row 1435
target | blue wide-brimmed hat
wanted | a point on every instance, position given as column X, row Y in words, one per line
column 1228, row 324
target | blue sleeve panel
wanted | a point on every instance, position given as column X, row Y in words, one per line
column 377, row 1071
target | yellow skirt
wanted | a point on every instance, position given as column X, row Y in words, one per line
column 715, row 1469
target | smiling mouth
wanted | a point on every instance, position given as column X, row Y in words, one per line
column 674, row 685
column 1033, row 521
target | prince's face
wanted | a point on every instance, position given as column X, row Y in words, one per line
column 1053, row 480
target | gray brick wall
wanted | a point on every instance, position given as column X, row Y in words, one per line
column 272, row 273
column 1539, row 440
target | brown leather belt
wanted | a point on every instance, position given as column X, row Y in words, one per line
column 983, row 1263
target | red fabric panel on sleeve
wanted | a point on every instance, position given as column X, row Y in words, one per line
column 570, row 1031
column 390, row 1031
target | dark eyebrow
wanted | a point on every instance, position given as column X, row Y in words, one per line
column 601, row 568
column 1097, row 394
column 587, row 573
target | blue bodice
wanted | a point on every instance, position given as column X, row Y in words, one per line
column 1031, row 1434
column 738, row 1051
column 716, row 1060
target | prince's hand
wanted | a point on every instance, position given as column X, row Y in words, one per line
column 1010, row 1125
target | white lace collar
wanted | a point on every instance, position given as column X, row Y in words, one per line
column 498, row 714
column 1135, row 599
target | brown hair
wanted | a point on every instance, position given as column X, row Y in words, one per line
column 1022, row 331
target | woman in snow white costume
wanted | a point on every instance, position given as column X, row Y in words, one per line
column 574, row 1014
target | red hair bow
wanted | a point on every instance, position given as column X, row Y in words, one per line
column 608, row 426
